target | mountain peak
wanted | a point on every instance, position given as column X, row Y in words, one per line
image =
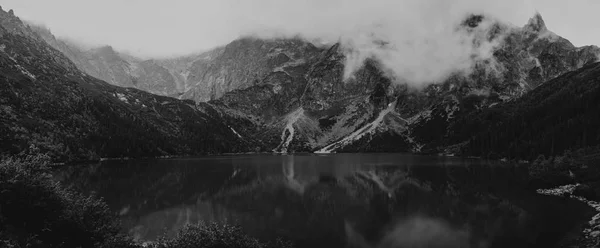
column 473, row 20
column 536, row 23
column 106, row 49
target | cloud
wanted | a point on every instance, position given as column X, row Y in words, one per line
column 418, row 42
column 422, row 44
column 420, row 57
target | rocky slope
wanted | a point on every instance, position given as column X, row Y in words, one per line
column 310, row 107
column 200, row 77
column 48, row 105
column 559, row 115
column 526, row 58
column 164, row 77
column 295, row 96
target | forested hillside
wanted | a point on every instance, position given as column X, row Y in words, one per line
column 560, row 115
column 48, row 106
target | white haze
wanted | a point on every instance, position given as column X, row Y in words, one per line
column 423, row 42
column 423, row 47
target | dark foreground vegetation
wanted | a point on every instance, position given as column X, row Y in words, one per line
column 573, row 166
column 559, row 115
column 36, row 211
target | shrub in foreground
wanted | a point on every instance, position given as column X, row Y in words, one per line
column 213, row 235
column 35, row 211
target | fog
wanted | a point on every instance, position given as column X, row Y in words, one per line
column 416, row 41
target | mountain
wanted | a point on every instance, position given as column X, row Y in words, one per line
column 164, row 77
column 48, row 105
column 289, row 95
column 242, row 63
column 559, row 115
column 308, row 105
column 200, row 77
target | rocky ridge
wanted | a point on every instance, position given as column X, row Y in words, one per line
column 47, row 105
column 310, row 107
column 296, row 94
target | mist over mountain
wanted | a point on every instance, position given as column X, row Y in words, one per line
column 375, row 86
column 362, row 29
column 375, row 91
column 426, row 80
column 49, row 106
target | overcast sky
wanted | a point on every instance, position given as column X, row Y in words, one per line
column 174, row 27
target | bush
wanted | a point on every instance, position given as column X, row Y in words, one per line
column 213, row 235
column 549, row 172
column 36, row 211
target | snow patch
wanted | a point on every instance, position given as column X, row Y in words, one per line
column 122, row 97
column 292, row 63
column 25, row 72
column 235, row 132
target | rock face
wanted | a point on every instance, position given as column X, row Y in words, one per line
column 294, row 96
column 242, row 64
column 162, row 77
column 47, row 105
column 203, row 77
column 559, row 115
column 310, row 107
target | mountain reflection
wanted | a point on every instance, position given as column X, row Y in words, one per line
column 346, row 200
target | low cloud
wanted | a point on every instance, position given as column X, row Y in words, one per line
column 417, row 42
column 419, row 57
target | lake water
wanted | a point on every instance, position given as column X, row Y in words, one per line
column 339, row 200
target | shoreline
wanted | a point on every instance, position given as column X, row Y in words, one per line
column 102, row 159
column 590, row 236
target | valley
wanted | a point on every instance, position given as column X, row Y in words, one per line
column 277, row 130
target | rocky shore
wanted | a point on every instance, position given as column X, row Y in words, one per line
column 591, row 233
